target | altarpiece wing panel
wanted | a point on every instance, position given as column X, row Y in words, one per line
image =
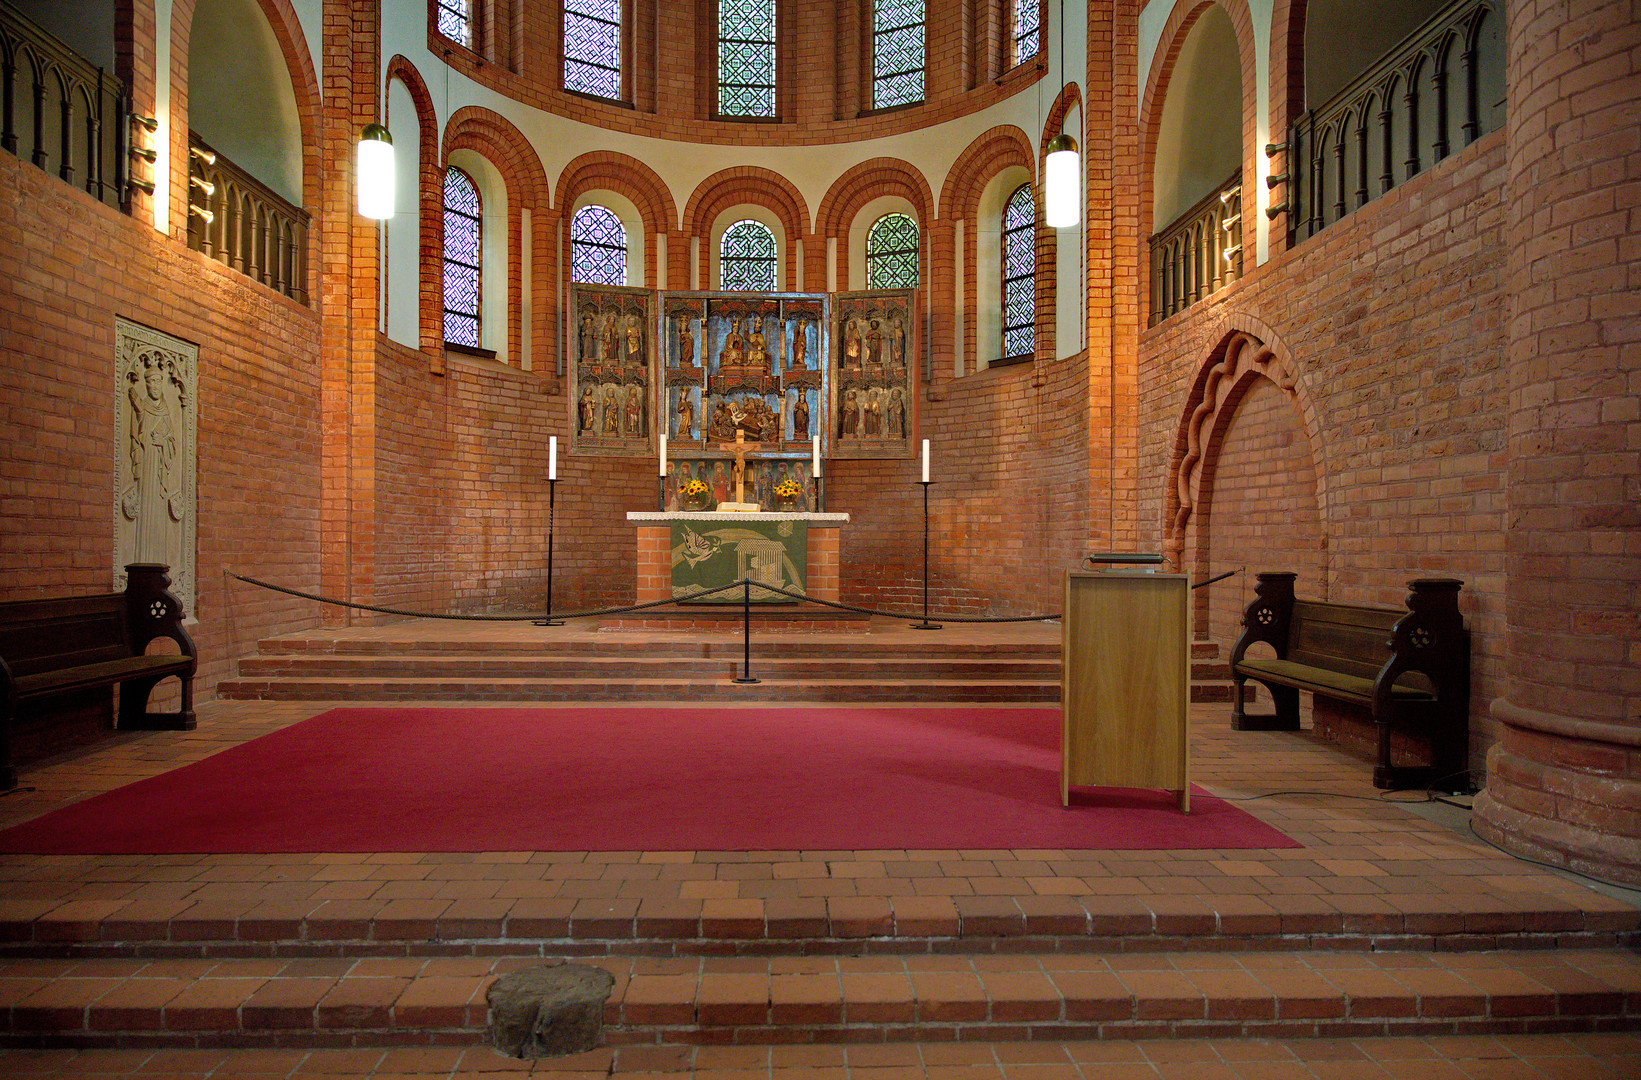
column 613, row 379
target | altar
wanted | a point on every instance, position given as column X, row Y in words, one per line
column 681, row 552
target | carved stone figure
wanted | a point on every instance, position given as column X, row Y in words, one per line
column 154, row 500
column 635, row 412
column 871, row 419
column 874, row 344
column 722, row 425
column 612, row 412
column 849, row 422
column 609, row 337
column 897, row 414
column 589, row 338
column 800, row 344
column 734, row 350
column 897, row 342
column 800, row 417
column 851, row 345
column 686, row 413
column 589, row 411
column 757, row 347
column 635, row 342
column 686, row 344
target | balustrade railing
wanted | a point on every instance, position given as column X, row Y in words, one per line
column 1200, row 253
column 1438, row 91
column 60, row 111
column 237, row 220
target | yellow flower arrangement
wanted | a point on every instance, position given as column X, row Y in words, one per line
column 694, row 488
column 787, row 489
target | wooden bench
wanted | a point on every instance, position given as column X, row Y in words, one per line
column 1410, row 667
column 59, row 646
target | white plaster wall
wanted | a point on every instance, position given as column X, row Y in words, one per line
column 240, row 96
column 403, row 232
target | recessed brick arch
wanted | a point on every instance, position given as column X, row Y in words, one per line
column 293, row 48
column 740, row 185
column 1287, row 90
column 1180, row 23
column 495, row 138
column 867, row 181
column 430, row 218
column 988, row 154
column 625, row 175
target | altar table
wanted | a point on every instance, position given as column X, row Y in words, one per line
column 654, row 528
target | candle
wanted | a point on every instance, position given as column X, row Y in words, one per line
column 552, row 457
column 662, row 470
column 925, row 461
column 815, row 471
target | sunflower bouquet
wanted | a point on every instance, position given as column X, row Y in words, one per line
column 787, row 489
column 694, row 489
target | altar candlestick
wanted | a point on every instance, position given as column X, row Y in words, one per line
column 925, row 461
column 815, row 442
column 552, row 457
column 662, row 470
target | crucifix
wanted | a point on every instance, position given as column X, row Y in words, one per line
column 740, row 446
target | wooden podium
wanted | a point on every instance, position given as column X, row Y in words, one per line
column 1125, row 682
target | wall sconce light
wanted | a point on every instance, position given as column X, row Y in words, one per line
column 147, row 153
column 152, row 123
column 204, row 185
column 204, row 214
column 207, row 156
column 374, row 175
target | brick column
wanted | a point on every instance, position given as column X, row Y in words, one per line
column 1564, row 779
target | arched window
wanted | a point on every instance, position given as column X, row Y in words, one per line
column 598, row 247
column 592, row 47
column 462, row 258
column 456, row 21
column 746, row 57
column 1020, row 274
column 897, row 52
column 746, row 257
column 891, row 253
column 1024, row 29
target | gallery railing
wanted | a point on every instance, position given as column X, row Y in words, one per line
column 1438, row 91
column 61, row 112
column 237, row 220
column 1200, row 253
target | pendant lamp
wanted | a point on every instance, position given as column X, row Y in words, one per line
column 374, row 176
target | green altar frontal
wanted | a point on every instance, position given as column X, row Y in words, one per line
column 709, row 554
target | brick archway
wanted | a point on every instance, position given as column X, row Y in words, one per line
column 430, row 218
column 743, row 185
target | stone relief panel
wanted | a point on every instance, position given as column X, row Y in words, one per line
column 613, row 388
column 155, row 387
column 874, row 411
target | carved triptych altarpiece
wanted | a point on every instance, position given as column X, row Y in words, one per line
column 613, row 389
column 156, row 382
column 874, row 373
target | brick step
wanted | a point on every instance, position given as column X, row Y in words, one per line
column 903, row 925
column 675, row 688
column 658, row 645
column 376, row 1002
column 781, row 667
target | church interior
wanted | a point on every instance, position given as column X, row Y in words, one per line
column 350, row 312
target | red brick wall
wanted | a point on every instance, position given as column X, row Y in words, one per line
column 1392, row 323
column 70, row 265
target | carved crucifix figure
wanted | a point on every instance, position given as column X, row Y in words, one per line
column 740, row 447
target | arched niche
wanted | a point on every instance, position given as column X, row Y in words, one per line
column 495, row 265
column 861, row 227
column 988, row 263
column 1199, row 138
column 240, row 95
column 632, row 226
column 741, row 212
column 403, row 231
column 86, row 26
column 1343, row 37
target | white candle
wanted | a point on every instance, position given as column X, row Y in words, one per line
column 815, row 471
column 552, row 457
column 662, row 470
column 925, row 461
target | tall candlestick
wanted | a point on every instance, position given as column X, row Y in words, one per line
column 552, row 457
column 925, row 461
column 816, row 468
column 661, row 470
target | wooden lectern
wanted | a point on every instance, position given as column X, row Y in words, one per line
column 1125, row 681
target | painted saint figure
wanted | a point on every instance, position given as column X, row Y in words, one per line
column 800, row 344
column 589, row 411
column 851, row 345
column 686, row 344
column 874, row 344
column 897, row 414
column 686, row 414
column 800, row 416
column 155, row 499
column 635, row 342
column 589, row 338
column 849, row 422
column 612, row 412
column 897, row 342
column 609, row 353
column 871, row 420
column 635, row 412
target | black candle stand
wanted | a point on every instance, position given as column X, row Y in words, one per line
column 926, row 624
column 552, row 485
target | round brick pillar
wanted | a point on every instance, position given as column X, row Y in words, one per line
column 1564, row 779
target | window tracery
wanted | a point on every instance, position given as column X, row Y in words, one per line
column 1020, row 274
column 598, row 247
column 592, row 47
column 891, row 253
column 746, row 257
column 456, row 21
column 746, row 58
column 463, row 240
column 1025, row 29
column 897, row 52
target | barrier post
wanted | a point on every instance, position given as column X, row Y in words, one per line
column 746, row 632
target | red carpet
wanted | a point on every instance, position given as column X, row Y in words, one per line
column 635, row 779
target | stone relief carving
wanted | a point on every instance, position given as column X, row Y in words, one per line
column 612, row 370
column 156, row 382
column 874, row 373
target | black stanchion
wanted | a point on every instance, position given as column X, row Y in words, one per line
column 552, row 489
column 746, row 632
column 926, row 624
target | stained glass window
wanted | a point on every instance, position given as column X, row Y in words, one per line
column 746, row 257
column 897, row 52
column 1020, row 274
column 598, row 247
column 891, row 253
column 746, row 57
column 455, row 21
column 462, row 249
column 592, row 47
column 1026, row 38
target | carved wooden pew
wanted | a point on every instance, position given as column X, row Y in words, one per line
column 62, row 645
column 1410, row 667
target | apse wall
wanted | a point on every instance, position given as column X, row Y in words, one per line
column 1390, row 325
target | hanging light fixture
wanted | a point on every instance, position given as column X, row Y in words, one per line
column 374, row 175
column 1062, row 170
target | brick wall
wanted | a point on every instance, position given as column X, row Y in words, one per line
column 1392, row 326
